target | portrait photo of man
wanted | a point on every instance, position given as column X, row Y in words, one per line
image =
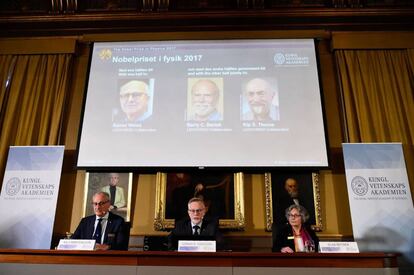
column 260, row 100
column 135, row 101
column 118, row 187
column 205, row 99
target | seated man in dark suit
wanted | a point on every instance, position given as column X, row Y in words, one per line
column 109, row 230
column 196, row 225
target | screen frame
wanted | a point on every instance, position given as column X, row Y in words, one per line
column 233, row 169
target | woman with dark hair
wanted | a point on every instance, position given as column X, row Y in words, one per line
column 296, row 235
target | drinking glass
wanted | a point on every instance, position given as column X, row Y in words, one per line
column 309, row 246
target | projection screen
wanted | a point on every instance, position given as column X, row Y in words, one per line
column 204, row 103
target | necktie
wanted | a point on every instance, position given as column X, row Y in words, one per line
column 98, row 231
column 112, row 191
column 196, row 227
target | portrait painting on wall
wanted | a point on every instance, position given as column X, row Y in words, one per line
column 117, row 185
column 286, row 188
column 221, row 192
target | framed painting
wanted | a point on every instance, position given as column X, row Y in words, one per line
column 285, row 189
column 221, row 192
column 117, row 185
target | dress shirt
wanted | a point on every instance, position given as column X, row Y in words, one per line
column 199, row 227
column 103, row 223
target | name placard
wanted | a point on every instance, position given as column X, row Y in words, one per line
column 69, row 244
column 197, row 246
column 338, row 247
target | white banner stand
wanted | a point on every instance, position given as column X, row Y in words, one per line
column 379, row 197
column 29, row 196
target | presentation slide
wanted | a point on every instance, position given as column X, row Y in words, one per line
column 204, row 103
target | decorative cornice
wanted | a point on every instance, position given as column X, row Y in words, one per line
column 275, row 19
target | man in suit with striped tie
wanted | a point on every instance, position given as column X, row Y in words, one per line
column 108, row 229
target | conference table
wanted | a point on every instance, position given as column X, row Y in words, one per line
column 28, row 261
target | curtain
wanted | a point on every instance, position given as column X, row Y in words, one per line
column 410, row 57
column 6, row 71
column 33, row 91
column 378, row 97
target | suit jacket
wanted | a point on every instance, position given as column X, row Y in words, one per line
column 119, row 195
column 209, row 228
column 283, row 236
column 116, row 233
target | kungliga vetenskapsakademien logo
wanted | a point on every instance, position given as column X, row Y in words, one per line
column 359, row 186
column 13, row 186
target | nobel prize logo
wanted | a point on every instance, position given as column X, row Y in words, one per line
column 279, row 58
column 13, row 186
column 359, row 186
column 105, row 54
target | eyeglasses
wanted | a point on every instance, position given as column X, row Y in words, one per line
column 294, row 216
column 133, row 95
column 99, row 203
column 192, row 211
